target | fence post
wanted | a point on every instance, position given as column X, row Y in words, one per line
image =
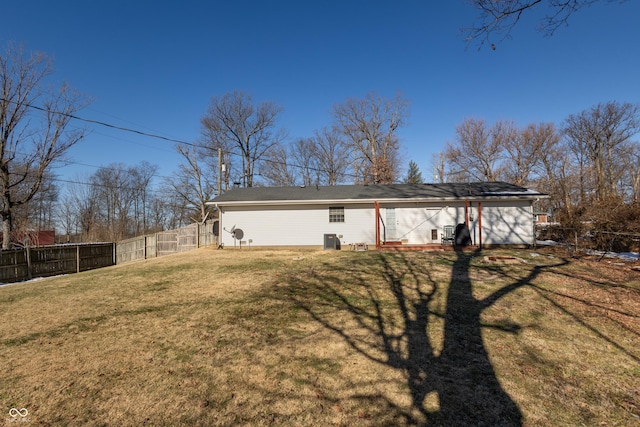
column 28, row 253
column 77, row 258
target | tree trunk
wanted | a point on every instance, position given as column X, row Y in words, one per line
column 6, row 229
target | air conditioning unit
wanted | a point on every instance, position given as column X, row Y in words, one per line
column 331, row 241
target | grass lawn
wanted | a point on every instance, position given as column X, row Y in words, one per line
column 319, row 338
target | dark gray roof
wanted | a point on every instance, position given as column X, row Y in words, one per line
column 474, row 190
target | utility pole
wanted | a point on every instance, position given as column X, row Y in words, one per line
column 219, row 171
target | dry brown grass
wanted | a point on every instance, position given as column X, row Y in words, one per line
column 305, row 337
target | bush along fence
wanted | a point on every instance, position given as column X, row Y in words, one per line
column 17, row 265
column 590, row 240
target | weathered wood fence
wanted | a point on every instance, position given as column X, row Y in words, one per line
column 23, row 264
column 165, row 243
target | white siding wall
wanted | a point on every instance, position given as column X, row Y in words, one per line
column 510, row 225
column 307, row 225
column 415, row 222
column 298, row 225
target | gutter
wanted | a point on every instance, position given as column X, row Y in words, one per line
column 371, row 201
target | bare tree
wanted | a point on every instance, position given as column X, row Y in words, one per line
column 192, row 184
column 113, row 193
column 499, row 17
column 439, row 167
column 233, row 122
column 141, row 178
column 214, row 150
column 81, row 210
column 370, row 125
column 524, row 150
column 631, row 171
column 66, row 216
column 597, row 134
column 160, row 214
column 478, row 150
column 304, row 155
column 30, row 143
column 37, row 213
column 277, row 169
column 331, row 156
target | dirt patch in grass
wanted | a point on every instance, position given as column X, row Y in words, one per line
column 306, row 337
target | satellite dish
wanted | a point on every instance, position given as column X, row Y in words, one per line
column 238, row 233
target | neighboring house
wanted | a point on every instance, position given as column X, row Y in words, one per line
column 540, row 217
column 496, row 213
column 32, row 238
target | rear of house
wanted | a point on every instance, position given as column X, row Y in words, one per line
column 408, row 214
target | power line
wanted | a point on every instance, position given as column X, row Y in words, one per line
column 178, row 141
column 97, row 122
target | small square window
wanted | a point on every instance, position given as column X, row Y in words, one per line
column 336, row 214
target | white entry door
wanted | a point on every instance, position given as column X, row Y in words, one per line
column 391, row 224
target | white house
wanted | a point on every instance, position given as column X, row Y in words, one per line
column 493, row 213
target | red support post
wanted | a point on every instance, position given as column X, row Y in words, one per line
column 466, row 213
column 480, row 224
column 377, row 215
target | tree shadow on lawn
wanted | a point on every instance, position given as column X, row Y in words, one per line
column 396, row 333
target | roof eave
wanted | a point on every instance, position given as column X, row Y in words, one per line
column 530, row 196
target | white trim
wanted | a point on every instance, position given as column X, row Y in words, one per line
column 369, row 201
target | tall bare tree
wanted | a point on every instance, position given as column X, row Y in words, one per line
column 66, row 216
column 304, row 154
column 192, row 185
column 332, row 155
column 141, row 178
column 631, row 171
column 478, row 150
column 277, row 169
column 234, row 122
column 116, row 197
column 598, row 134
column 30, row 140
column 80, row 212
column 499, row 17
column 371, row 126
column 524, row 150
column 439, row 167
column 37, row 213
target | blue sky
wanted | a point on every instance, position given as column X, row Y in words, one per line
column 154, row 66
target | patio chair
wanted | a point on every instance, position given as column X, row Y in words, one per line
column 448, row 235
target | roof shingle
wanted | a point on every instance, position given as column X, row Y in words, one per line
column 377, row 192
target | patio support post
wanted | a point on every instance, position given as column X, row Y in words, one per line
column 466, row 213
column 480, row 224
column 377, row 215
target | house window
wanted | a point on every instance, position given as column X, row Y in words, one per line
column 336, row 214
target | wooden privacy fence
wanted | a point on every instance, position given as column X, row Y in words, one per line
column 165, row 243
column 24, row 264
